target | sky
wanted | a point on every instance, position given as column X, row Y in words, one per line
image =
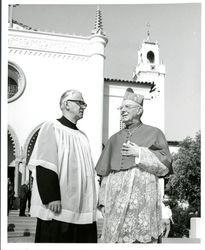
column 176, row 27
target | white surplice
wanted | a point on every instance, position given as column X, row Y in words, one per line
column 66, row 152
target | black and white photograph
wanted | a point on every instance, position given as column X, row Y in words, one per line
column 101, row 124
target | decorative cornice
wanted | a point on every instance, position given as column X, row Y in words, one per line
column 52, row 55
column 45, row 46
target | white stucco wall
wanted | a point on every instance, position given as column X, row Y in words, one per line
column 52, row 64
column 174, row 149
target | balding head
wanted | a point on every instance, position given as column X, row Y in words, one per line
column 72, row 105
column 70, row 95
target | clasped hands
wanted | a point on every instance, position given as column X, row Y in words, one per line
column 55, row 206
column 130, row 149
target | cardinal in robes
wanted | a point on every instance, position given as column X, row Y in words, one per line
column 130, row 165
column 64, row 196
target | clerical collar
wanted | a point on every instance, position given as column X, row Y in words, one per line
column 135, row 125
column 67, row 123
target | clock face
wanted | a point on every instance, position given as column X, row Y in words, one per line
column 150, row 56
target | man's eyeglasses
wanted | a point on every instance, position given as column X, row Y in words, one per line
column 79, row 103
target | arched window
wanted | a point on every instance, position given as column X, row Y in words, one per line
column 150, row 57
column 16, row 82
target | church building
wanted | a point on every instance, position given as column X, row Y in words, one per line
column 42, row 65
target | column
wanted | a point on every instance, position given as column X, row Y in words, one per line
column 22, row 169
column 195, row 229
column 16, row 178
column 96, row 86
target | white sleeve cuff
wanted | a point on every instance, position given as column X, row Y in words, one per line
column 137, row 158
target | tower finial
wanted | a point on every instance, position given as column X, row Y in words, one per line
column 148, row 31
column 11, row 6
column 98, row 28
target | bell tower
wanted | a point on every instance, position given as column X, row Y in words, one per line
column 151, row 69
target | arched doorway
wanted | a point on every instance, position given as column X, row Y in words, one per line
column 11, row 158
column 14, row 158
column 29, row 152
column 28, row 149
column 31, row 146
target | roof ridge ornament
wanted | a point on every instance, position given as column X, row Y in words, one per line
column 148, row 31
column 98, row 28
column 11, row 6
column 148, row 40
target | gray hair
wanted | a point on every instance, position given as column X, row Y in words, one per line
column 65, row 94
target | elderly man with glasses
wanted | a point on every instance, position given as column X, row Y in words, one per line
column 64, row 196
column 130, row 166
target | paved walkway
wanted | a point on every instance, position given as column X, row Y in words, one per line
column 22, row 230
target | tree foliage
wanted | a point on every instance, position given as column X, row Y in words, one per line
column 184, row 184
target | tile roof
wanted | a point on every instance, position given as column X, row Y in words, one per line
column 129, row 81
column 24, row 26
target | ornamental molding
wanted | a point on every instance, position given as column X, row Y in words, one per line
column 43, row 46
column 29, row 139
column 15, row 142
column 53, row 55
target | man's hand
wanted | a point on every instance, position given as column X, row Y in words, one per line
column 130, row 149
column 55, row 206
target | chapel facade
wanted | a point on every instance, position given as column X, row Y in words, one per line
column 42, row 65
